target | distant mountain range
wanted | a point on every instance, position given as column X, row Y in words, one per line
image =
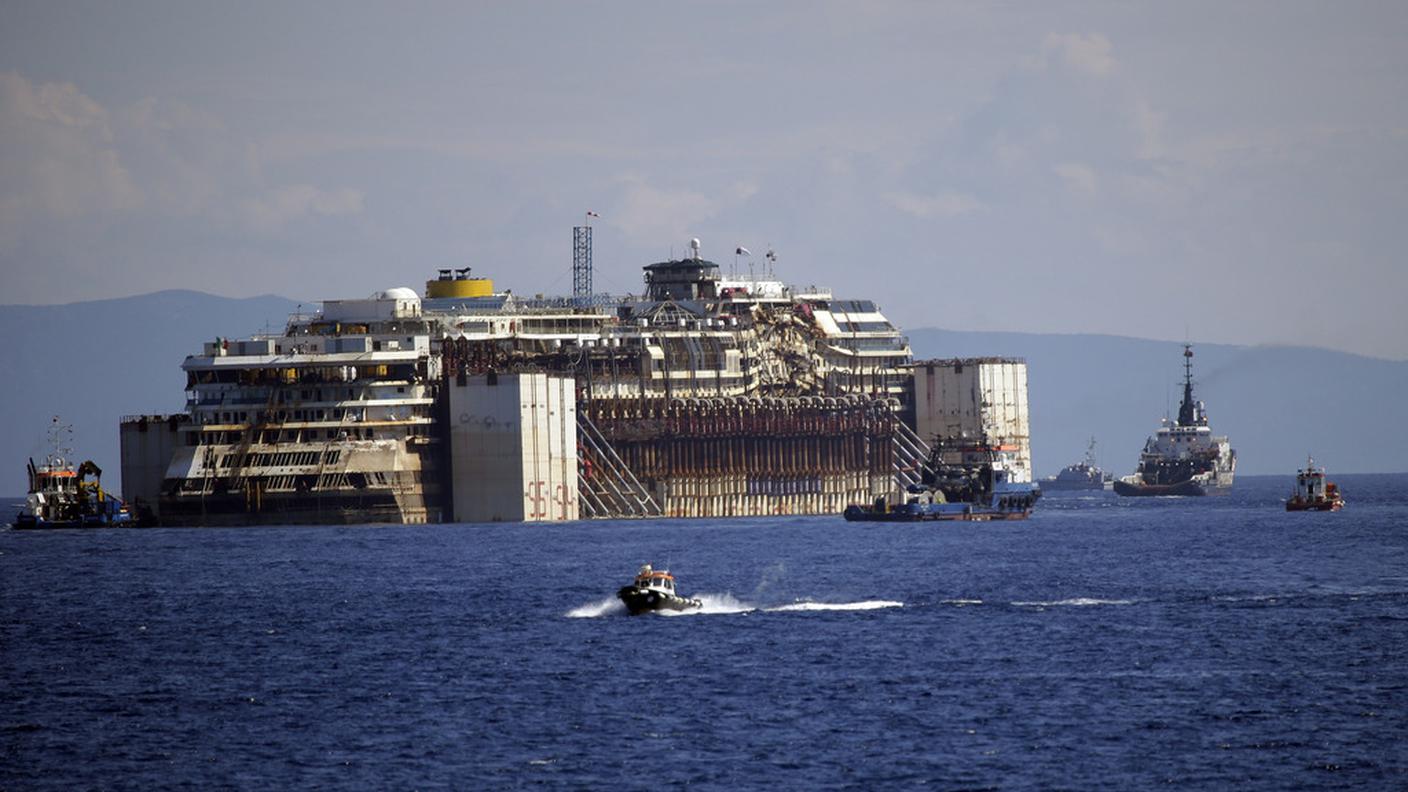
column 91, row 363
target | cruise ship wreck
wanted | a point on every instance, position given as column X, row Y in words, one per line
column 705, row 396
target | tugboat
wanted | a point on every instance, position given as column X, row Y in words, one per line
column 963, row 480
column 1083, row 475
column 654, row 590
column 60, row 496
column 1185, row 458
column 1313, row 491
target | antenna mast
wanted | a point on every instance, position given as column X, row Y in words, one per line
column 1187, row 410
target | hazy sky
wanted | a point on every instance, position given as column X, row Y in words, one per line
column 1233, row 172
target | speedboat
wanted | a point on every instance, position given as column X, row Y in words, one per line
column 654, row 590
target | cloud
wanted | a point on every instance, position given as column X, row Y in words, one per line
column 58, row 157
column 188, row 163
column 648, row 214
column 66, row 159
column 1079, row 178
column 948, row 204
column 292, row 202
column 53, row 103
column 1089, row 53
column 1150, row 124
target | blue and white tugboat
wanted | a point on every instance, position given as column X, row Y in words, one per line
column 964, row 480
column 654, row 590
column 60, row 495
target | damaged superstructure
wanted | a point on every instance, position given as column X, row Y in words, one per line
column 705, row 396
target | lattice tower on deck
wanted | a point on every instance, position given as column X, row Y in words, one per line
column 582, row 261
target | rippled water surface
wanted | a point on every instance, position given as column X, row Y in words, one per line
column 1110, row 643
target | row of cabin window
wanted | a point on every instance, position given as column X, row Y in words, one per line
column 307, row 375
column 315, row 415
column 307, row 435
column 326, row 481
column 282, row 459
column 292, row 436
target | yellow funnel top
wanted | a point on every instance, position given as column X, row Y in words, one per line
column 459, row 287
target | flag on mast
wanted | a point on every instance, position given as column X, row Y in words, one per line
column 742, row 251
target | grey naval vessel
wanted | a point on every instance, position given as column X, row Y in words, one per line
column 1184, row 458
column 706, row 395
column 1082, row 476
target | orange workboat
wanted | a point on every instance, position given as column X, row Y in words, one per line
column 1314, row 492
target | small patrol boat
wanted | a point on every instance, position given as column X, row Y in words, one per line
column 1313, row 491
column 654, row 590
column 1083, row 475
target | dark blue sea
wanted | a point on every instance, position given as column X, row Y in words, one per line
column 1106, row 643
